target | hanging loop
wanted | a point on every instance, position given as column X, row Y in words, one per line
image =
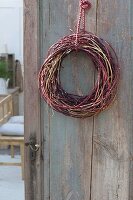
column 85, row 5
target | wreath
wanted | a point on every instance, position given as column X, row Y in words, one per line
column 105, row 61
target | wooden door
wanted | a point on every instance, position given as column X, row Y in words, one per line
column 78, row 159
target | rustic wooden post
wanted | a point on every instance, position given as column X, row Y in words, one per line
column 33, row 169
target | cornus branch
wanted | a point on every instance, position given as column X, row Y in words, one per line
column 106, row 63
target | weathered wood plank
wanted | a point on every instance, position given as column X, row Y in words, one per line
column 45, row 119
column 34, row 169
column 131, row 137
column 113, row 128
column 68, row 145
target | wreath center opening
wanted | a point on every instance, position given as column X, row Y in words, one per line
column 77, row 73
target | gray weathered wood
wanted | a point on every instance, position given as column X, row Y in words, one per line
column 74, row 169
column 113, row 128
column 34, row 169
column 131, row 137
column 68, row 141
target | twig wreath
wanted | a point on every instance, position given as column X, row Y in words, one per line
column 106, row 63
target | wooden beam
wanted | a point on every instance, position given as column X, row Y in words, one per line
column 34, row 169
column 10, row 164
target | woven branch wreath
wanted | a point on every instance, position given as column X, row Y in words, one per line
column 106, row 64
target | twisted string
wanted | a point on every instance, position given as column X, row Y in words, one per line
column 83, row 5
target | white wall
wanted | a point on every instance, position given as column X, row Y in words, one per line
column 11, row 27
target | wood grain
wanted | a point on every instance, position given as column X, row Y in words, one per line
column 73, row 167
column 68, row 141
column 34, row 169
column 113, row 128
column 131, row 137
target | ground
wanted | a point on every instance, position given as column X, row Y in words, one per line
column 11, row 184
